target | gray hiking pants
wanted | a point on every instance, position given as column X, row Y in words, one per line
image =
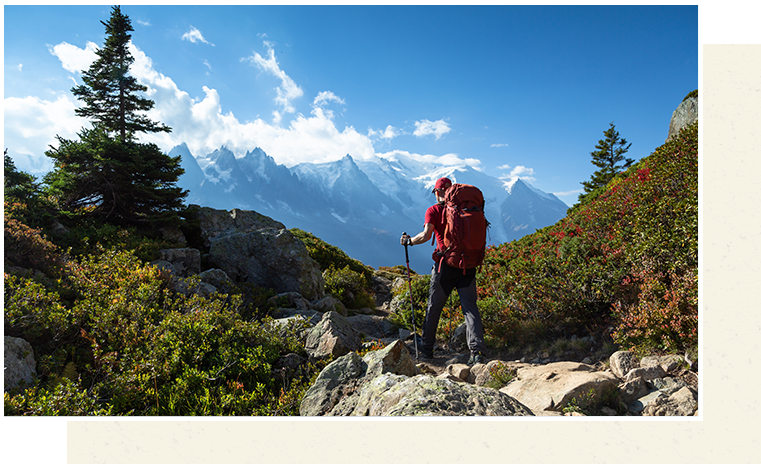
column 442, row 284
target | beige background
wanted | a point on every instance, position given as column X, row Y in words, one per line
column 726, row 431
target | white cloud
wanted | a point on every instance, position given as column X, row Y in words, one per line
column 194, row 35
column 497, row 145
column 323, row 98
column 388, row 133
column 143, row 23
column 288, row 90
column 518, row 172
column 503, row 167
column 73, row 58
column 426, row 127
column 20, row 67
column 31, row 123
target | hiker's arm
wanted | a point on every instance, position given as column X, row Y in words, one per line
column 422, row 237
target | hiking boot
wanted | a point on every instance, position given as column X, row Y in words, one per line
column 425, row 353
column 476, row 357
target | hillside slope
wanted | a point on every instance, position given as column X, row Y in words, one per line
column 627, row 257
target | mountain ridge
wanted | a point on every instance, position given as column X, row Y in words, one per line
column 362, row 206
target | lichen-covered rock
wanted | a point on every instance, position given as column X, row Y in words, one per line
column 270, row 258
column 290, row 300
column 330, row 303
column 332, row 336
column 215, row 223
column 337, row 380
column 424, row 395
column 681, row 403
column 621, row 362
column 185, row 261
column 20, row 365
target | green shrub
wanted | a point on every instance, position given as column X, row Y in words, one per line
column 633, row 247
column 348, row 286
column 328, row 256
column 143, row 349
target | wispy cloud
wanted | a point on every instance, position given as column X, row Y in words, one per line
column 288, row 89
column 568, row 193
column 20, row 67
column 323, row 98
column 426, row 127
column 194, row 35
column 497, row 145
column 143, row 22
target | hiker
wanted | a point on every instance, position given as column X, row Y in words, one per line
column 445, row 278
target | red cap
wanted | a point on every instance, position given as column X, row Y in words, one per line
column 442, row 184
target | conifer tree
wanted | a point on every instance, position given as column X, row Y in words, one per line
column 610, row 152
column 111, row 96
column 107, row 174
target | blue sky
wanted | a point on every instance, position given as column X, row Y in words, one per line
column 515, row 91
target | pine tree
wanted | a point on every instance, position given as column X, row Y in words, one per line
column 107, row 174
column 110, row 94
column 610, row 152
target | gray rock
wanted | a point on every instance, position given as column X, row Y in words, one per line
column 332, row 336
column 174, row 235
column 215, row 223
column 218, row 279
column 645, row 373
column 553, row 386
column 621, row 362
column 290, row 300
column 270, row 258
column 330, row 303
column 423, row 395
column 633, row 390
column 185, row 261
column 374, row 327
column 20, row 365
column 682, row 403
column 684, row 115
column 336, row 381
column 669, row 363
column 311, row 316
column 639, row 405
column 668, row 385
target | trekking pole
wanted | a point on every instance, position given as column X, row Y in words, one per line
column 412, row 308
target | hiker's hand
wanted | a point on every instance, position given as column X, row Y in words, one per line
column 406, row 240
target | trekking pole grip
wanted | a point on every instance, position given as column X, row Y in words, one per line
column 406, row 253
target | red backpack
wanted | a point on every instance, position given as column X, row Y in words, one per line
column 464, row 240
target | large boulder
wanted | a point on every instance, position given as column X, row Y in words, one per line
column 374, row 327
column 684, row 115
column 270, row 258
column 20, row 365
column 387, row 383
column 424, row 395
column 215, row 223
column 185, row 261
column 553, row 386
column 332, row 336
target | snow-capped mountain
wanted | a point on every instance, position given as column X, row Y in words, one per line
column 360, row 206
